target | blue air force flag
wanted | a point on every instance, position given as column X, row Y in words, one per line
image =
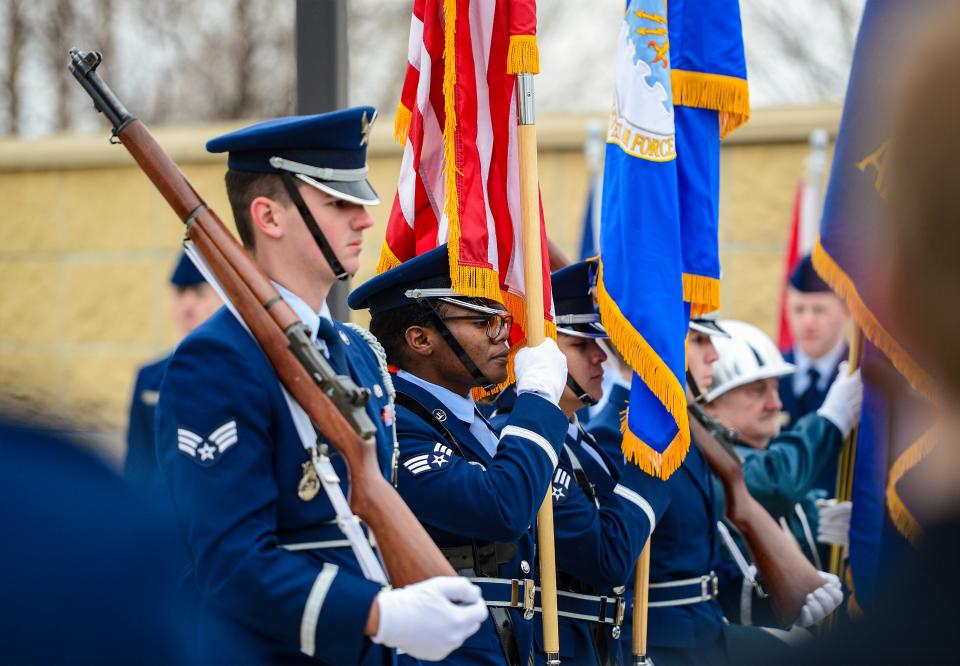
column 656, row 261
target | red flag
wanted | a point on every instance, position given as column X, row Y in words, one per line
column 459, row 179
column 784, row 338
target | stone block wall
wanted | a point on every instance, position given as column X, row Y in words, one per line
column 87, row 245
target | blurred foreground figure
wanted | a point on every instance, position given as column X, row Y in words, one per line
column 88, row 571
column 909, row 621
column 192, row 300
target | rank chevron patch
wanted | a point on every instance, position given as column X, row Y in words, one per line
column 561, row 486
column 425, row 462
column 207, row 451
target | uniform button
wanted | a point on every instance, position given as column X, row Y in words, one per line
column 524, row 566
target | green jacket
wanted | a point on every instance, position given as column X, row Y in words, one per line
column 782, row 477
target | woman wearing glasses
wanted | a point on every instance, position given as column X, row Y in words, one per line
column 475, row 491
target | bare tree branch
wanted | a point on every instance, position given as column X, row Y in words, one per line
column 16, row 37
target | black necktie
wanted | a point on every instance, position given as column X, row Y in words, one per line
column 329, row 334
column 810, row 399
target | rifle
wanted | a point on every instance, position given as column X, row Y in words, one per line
column 786, row 573
column 330, row 400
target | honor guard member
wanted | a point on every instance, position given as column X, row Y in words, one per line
column 266, row 550
column 477, row 493
column 818, row 321
column 603, row 511
column 192, row 300
column 686, row 623
column 779, row 468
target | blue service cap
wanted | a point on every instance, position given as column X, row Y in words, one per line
column 574, row 303
column 327, row 151
column 805, row 278
column 185, row 274
column 387, row 291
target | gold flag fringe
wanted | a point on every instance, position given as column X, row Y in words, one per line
column 401, row 124
column 726, row 94
column 387, row 260
column 841, row 283
column 518, row 308
column 523, row 56
column 702, row 292
column 658, row 378
column 900, row 515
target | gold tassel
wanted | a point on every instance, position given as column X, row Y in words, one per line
column 841, row 283
column 726, row 94
column 702, row 292
column 523, row 56
column 401, row 124
column 659, row 379
column 387, row 260
column 900, row 515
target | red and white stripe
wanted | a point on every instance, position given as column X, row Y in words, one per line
column 485, row 136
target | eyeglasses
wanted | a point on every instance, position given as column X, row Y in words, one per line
column 497, row 324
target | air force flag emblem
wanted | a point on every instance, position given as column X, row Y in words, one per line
column 207, row 451
column 425, row 462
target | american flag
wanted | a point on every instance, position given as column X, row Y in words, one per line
column 460, row 175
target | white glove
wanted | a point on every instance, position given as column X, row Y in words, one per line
column 541, row 369
column 822, row 601
column 842, row 405
column 834, row 522
column 430, row 619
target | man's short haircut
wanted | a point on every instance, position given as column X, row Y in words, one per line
column 242, row 189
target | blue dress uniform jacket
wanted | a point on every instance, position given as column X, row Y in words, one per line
column 798, row 408
column 481, row 498
column 685, row 545
column 140, row 465
column 597, row 543
column 254, row 543
column 792, row 403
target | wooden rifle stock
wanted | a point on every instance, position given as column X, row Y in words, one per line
column 407, row 550
column 785, row 572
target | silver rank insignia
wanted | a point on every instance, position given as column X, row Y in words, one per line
column 561, row 486
column 365, row 127
column 207, row 451
column 309, row 484
column 426, row 462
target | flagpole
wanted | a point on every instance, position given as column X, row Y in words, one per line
column 533, row 289
column 641, row 590
column 848, row 455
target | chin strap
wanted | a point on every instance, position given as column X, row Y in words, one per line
column 584, row 397
column 291, row 186
column 481, row 380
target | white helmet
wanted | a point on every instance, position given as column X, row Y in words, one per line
column 746, row 356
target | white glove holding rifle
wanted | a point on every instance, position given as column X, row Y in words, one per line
column 822, row 601
column 430, row 619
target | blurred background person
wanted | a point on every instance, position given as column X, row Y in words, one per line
column 819, row 323
column 192, row 301
column 780, row 468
